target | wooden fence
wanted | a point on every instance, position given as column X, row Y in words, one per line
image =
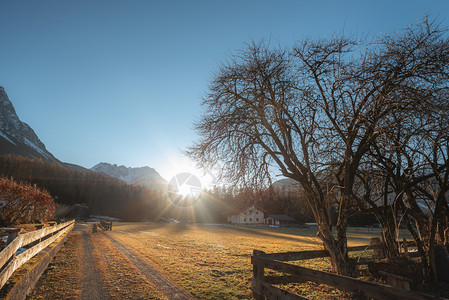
column 263, row 288
column 34, row 242
column 105, row 225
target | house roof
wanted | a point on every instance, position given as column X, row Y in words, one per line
column 239, row 212
column 253, row 207
column 261, row 209
column 282, row 217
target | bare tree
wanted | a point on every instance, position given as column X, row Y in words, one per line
column 313, row 113
column 419, row 175
column 410, row 152
column 257, row 116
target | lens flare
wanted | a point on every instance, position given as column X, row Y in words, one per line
column 184, row 189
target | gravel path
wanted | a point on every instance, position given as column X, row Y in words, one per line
column 166, row 287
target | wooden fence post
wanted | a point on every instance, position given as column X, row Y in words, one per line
column 39, row 227
column 378, row 251
column 446, row 237
column 258, row 275
column 405, row 246
column 12, row 234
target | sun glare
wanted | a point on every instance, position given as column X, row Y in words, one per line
column 184, row 190
column 178, row 164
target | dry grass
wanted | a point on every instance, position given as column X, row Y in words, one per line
column 213, row 262
column 61, row 279
column 210, row 262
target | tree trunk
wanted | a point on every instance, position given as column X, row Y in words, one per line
column 389, row 236
column 423, row 248
column 338, row 255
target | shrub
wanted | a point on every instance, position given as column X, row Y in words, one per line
column 23, row 203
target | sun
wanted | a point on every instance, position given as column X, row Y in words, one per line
column 180, row 164
column 184, row 190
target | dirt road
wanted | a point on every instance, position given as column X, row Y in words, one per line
column 95, row 266
column 91, row 284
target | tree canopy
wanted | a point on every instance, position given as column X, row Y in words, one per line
column 325, row 112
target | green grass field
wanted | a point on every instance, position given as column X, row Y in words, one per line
column 213, row 261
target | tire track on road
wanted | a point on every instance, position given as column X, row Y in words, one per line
column 90, row 283
column 165, row 286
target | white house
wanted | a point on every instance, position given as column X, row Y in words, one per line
column 250, row 216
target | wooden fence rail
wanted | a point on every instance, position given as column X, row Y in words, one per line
column 9, row 261
column 262, row 286
column 105, row 225
column 301, row 255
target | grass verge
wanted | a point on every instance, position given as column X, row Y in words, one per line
column 61, row 279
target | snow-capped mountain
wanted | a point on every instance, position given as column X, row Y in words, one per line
column 17, row 137
column 144, row 176
column 286, row 183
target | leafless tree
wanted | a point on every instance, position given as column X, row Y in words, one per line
column 410, row 152
column 417, row 167
column 313, row 113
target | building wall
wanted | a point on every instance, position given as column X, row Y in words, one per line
column 251, row 215
column 271, row 221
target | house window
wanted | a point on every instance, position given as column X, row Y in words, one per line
column 250, row 219
column 250, row 211
column 257, row 219
column 244, row 219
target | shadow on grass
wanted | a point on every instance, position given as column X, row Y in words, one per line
column 149, row 226
column 300, row 235
column 290, row 234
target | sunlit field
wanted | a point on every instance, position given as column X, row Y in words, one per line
column 213, row 261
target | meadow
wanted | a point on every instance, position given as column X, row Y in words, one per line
column 213, row 261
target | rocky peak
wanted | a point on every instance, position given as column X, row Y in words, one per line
column 11, row 124
column 144, row 176
column 17, row 132
column 9, row 121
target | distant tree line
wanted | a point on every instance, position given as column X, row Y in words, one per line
column 103, row 194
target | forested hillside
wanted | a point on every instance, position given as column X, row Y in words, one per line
column 103, row 194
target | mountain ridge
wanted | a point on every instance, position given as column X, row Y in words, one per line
column 141, row 176
column 17, row 137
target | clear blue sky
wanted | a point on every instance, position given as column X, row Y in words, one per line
column 121, row 81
